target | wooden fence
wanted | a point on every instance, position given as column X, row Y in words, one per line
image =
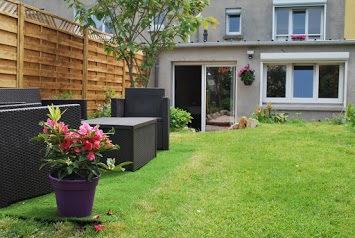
column 38, row 49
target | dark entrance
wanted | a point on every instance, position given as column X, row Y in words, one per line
column 188, row 92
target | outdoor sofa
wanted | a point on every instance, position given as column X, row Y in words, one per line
column 20, row 158
column 24, row 97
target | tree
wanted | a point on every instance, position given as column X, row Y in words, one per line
column 133, row 28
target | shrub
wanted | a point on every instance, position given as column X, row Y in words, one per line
column 105, row 109
column 179, row 118
column 350, row 114
column 265, row 115
column 337, row 119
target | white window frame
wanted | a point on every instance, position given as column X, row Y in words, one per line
column 233, row 12
column 306, row 5
column 315, row 59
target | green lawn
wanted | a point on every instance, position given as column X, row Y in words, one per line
column 292, row 180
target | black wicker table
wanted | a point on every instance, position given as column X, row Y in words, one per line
column 136, row 136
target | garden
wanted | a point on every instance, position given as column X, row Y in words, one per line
column 291, row 179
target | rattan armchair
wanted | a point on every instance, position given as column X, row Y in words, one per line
column 146, row 102
column 20, row 177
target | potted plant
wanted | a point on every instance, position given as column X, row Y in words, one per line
column 247, row 75
column 74, row 157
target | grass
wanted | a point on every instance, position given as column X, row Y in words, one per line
column 292, row 180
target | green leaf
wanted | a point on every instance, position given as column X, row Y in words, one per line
column 70, row 169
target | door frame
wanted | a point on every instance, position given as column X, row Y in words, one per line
column 204, row 65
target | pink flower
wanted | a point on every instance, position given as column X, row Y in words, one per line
column 99, row 227
column 62, row 127
column 85, row 129
column 108, row 143
column 87, row 145
column 90, row 156
column 50, row 122
column 97, row 144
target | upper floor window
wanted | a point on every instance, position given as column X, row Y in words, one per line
column 233, row 22
column 299, row 19
column 158, row 22
column 101, row 25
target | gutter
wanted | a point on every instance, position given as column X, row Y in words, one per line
column 266, row 43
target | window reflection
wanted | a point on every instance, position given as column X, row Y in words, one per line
column 299, row 22
column 282, row 21
column 303, row 81
column 328, row 81
column 276, row 81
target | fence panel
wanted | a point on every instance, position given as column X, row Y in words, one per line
column 8, row 44
column 38, row 49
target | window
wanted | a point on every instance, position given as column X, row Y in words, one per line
column 297, row 19
column 328, row 81
column 101, row 25
column 233, row 22
column 276, row 81
column 304, row 77
column 157, row 22
column 296, row 82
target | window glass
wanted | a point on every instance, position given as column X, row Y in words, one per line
column 234, row 23
column 158, row 19
column 282, row 21
column 303, row 81
column 276, row 81
column 314, row 21
column 98, row 23
column 328, row 81
column 299, row 22
column 107, row 22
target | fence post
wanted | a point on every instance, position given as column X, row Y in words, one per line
column 85, row 62
column 20, row 44
column 124, row 75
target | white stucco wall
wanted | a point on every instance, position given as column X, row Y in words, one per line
column 249, row 96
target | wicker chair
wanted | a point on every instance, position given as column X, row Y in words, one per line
column 20, row 177
column 146, row 102
column 21, row 96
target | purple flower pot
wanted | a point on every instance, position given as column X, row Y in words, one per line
column 75, row 198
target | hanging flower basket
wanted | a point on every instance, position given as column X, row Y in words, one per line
column 247, row 75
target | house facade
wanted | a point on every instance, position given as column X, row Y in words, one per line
column 301, row 53
column 302, row 63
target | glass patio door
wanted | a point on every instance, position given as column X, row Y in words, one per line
column 219, row 98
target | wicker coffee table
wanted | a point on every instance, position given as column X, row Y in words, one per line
column 136, row 136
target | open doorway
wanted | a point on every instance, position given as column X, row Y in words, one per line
column 208, row 93
column 188, row 92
